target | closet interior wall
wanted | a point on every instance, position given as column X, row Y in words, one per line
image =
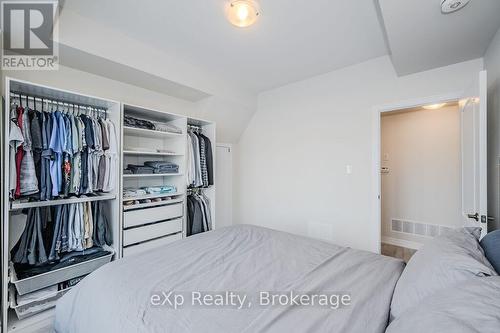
column 15, row 317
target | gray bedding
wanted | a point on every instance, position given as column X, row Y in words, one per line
column 125, row 296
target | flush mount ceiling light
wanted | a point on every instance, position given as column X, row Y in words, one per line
column 434, row 106
column 450, row 6
column 243, row 13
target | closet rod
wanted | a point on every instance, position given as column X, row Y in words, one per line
column 56, row 101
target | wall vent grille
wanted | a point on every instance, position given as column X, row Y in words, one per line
column 417, row 228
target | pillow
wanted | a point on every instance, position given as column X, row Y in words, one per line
column 491, row 247
column 470, row 306
column 443, row 261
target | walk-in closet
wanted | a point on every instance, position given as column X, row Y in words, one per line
column 61, row 218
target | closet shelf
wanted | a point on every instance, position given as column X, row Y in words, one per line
column 18, row 204
column 153, row 204
column 149, row 153
column 40, row 281
column 140, row 175
column 148, row 133
column 153, row 196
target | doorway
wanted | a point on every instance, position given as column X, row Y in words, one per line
column 421, row 181
column 472, row 102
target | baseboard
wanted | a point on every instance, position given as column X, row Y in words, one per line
column 401, row 242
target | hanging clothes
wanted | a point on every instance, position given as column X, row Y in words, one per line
column 51, row 233
column 199, row 215
column 46, row 180
column 59, row 154
column 16, row 140
column 209, row 160
column 19, row 153
column 200, row 171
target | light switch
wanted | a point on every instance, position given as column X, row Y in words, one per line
column 348, row 169
column 385, row 158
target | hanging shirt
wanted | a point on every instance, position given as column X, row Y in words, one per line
column 36, row 144
column 16, row 140
column 28, row 180
column 46, row 181
column 209, row 159
column 196, row 150
column 67, row 156
column 203, row 161
column 19, row 153
column 88, row 226
column 190, row 162
column 57, row 150
column 75, row 158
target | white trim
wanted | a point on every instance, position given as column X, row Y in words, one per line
column 402, row 242
column 376, row 141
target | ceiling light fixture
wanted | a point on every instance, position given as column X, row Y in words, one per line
column 434, row 106
column 451, row 6
column 243, row 13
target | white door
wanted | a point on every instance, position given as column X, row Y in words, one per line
column 474, row 154
column 224, row 181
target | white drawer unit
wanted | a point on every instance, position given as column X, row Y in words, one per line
column 147, row 232
column 150, row 245
column 144, row 216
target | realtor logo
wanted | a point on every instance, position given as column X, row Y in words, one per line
column 29, row 35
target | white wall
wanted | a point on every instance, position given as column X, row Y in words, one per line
column 211, row 108
column 492, row 65
column 422, row 150
column 290, row 169
column 231, row 105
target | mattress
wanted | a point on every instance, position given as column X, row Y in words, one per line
column 280, row 277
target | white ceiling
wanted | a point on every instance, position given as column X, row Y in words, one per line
column 292, row 40
column 421, row 38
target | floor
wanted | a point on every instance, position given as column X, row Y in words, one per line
column 397, row 252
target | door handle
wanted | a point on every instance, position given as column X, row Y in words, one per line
column 474, row 216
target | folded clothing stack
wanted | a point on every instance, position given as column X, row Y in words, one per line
column 138, row 123
column 151, row 125
column 130, row 192
column 133, row 192
column 162, row 166
column 163, row 127
column 140, row 169
column 163, row 189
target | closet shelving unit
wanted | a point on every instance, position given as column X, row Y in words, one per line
column 147, row 225
column 14, row 221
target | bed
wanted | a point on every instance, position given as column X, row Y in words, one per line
column 136, row 294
